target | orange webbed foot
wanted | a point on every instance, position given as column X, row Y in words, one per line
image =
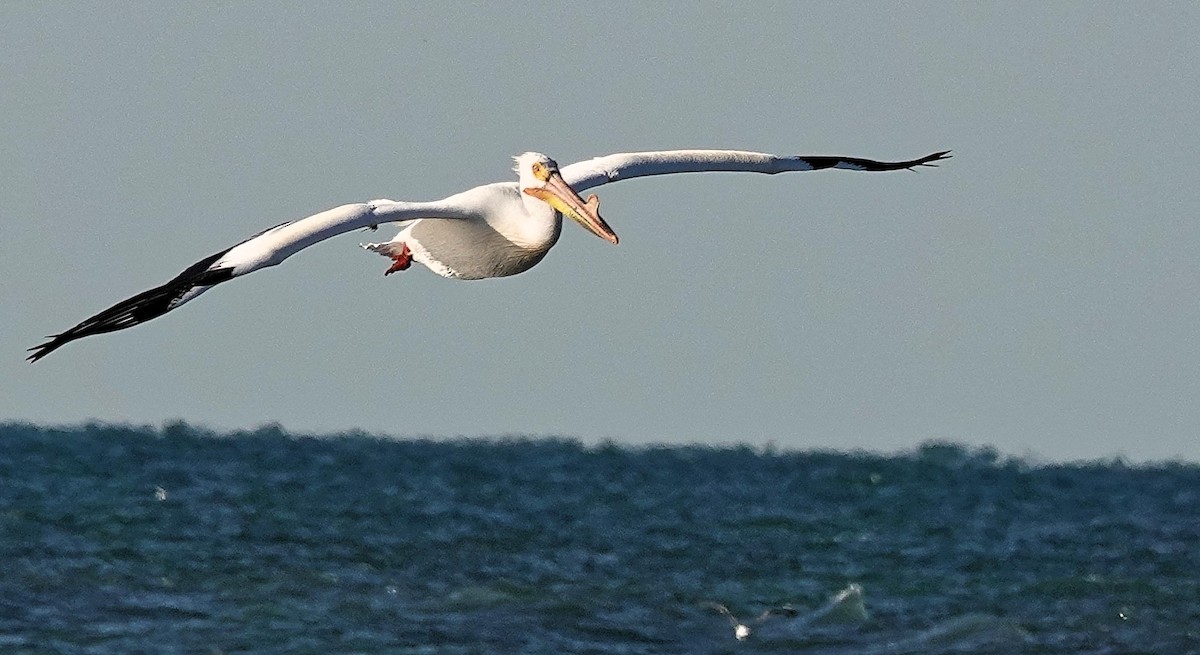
column 400, row 261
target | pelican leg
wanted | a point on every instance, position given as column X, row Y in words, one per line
column 400, row 261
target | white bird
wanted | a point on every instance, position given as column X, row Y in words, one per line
column 845, row 607
column 742, row 631
column 493, row 230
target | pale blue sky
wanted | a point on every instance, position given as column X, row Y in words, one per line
column 1037, row 293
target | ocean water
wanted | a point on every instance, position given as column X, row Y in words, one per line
column 118, row 539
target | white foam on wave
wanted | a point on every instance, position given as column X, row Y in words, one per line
column 966, row 632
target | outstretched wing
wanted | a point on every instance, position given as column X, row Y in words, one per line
column 785, row 610
column 627, row 165
column 267, row 248
column 724, row 611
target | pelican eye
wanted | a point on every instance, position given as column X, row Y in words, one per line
column 539, row 170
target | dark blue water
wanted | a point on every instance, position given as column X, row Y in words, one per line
column 138, row 540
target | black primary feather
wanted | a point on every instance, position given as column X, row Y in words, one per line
column 142, row 307
column 872, row 165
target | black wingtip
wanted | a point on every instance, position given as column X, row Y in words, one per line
column 41, row 350
column 929, row 159
column 143, row 307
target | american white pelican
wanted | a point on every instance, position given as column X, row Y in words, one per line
column 492, row 230
column 845, row 607
column 742, row 631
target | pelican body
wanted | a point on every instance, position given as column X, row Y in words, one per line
column 494, row 230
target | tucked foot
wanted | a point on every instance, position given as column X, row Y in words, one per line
column 400, row 261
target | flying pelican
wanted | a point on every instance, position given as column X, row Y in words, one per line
column 494, row 230
column 742, row 631
column 845, row 607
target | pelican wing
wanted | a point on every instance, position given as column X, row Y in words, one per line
column 267, row 248
column 785, row 610
column 724, row 611
column 627, row 165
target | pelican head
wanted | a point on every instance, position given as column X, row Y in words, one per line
column 539, row 177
